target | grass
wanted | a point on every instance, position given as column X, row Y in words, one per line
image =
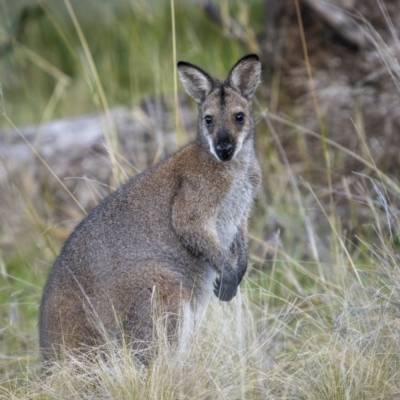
column 318, row 319
column 130, row 41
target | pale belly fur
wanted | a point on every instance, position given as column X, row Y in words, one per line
column 234, row 207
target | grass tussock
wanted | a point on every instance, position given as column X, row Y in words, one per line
column 241, row 350
column 318, row 314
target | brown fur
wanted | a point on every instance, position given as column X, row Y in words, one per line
column 166, row 233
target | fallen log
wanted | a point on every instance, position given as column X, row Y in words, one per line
column 76, row 154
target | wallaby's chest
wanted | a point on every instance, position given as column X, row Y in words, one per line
column 235, row 206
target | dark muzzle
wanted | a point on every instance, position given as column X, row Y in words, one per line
column 224, row 147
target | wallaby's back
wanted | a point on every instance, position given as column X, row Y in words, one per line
column 169, row 231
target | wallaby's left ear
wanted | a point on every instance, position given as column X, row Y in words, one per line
column 246, row 75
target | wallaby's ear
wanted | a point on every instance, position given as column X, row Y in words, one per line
column 246, row 75
column 197, row 83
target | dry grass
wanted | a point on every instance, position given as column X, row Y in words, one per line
column 338, row 343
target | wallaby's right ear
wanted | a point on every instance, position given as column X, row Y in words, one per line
column 196, row 82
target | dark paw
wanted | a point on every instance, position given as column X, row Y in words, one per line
column 242, row 270
column 226, row 290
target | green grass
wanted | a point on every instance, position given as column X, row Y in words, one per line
column 130, row 42
column 319, row 320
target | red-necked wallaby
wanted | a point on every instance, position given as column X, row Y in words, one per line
column 178, row 229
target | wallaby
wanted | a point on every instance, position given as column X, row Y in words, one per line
column 178, row 229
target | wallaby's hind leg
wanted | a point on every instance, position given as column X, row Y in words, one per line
column 136, row 299
column 64, row 325
column 158, row 308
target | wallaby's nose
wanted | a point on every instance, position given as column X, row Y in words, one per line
column 224, row 151
column 224, row 145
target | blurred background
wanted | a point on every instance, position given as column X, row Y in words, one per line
column 89, row 98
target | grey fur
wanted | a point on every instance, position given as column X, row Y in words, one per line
column 169, row 230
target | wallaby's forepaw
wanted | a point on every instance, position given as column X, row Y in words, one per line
column 242, row 268
column 225, row 290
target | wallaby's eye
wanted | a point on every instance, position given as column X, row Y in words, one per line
column 208, row 119
column 239, row 117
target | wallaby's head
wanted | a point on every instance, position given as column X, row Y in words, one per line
column 225, row 109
